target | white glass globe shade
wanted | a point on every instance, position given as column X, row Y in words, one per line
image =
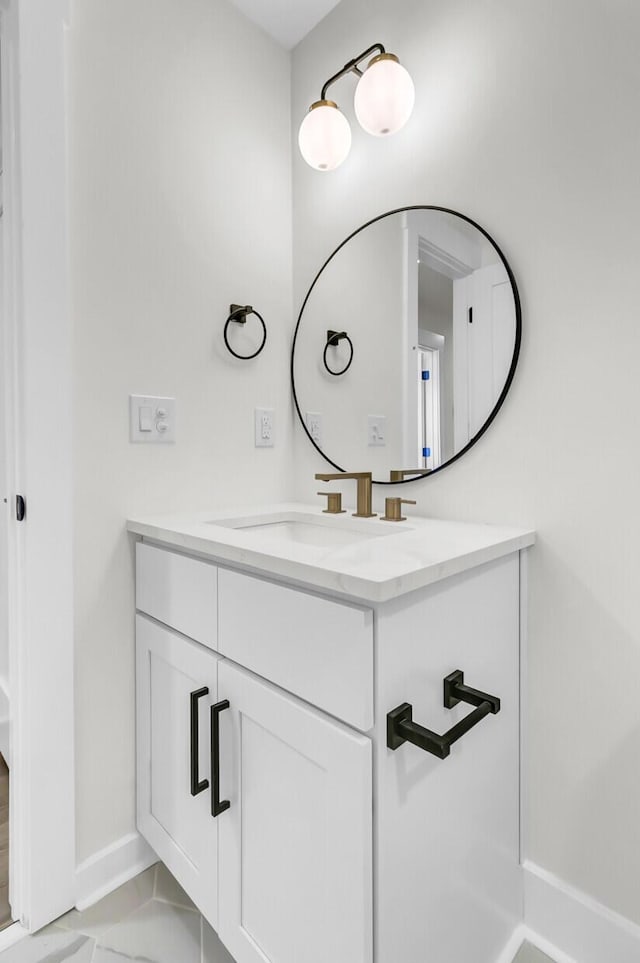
column 325, row 136
column 384, row 96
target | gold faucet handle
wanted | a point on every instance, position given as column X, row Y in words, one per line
column 334, row 503
column 392, row 509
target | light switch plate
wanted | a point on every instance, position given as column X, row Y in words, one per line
column 152, row 420
column 376, row 431
column 265, row 427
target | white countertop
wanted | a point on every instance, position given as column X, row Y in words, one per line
column 403, row 556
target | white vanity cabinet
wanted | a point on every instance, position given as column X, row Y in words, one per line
column 340, row 842
column 283, row 871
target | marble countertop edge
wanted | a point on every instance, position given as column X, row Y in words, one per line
column 374, row 571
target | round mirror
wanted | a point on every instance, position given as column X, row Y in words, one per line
column 406, row 344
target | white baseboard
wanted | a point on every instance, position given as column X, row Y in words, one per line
column 524, row 935
column 512, row 947
column 575, row 927
column 111, row 867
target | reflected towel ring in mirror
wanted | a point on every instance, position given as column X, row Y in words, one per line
column 333, row 340
column 239, row 313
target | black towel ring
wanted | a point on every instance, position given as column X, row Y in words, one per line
column 333, row 340
column 238, row 313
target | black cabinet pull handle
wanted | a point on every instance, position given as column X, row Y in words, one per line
column 197, row 785
column 401, row 728
column 217, row 806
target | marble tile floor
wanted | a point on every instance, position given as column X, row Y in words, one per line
column 530, row 954
column 151, row 920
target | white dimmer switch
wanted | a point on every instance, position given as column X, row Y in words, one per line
column 152, row 420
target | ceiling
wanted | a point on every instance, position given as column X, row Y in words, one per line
column 288, row 21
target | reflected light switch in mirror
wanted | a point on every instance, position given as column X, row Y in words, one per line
column 376, row 432
column 313, row 421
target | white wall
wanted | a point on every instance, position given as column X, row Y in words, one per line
column 526, row 120
column 181, row 204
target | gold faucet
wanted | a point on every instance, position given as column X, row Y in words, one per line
column 363, row 505
column 399, row 474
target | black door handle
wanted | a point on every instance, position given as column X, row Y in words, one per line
column 217, row 806
column 401, row 728
column 197, row 785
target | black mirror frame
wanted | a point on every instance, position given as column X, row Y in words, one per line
column 516, row 348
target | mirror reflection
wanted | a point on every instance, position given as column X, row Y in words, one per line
column 406, row 344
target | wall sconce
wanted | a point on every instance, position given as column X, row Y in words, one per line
column 383, row 103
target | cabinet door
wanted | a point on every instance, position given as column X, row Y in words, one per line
column 170, row 723
column 296, row 843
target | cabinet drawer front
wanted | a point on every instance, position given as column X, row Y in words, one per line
column 179, row 591
column 316, row 648
column 296, row 842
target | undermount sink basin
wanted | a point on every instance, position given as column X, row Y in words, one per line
column 306, row 529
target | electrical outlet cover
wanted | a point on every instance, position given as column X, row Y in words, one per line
column 265, row 427
column 313, row 421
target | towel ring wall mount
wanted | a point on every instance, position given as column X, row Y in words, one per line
column 238, row 313
column 333, row 340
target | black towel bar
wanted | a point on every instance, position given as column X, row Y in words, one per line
column 401, row 728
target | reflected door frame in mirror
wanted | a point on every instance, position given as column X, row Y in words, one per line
column 430, row 255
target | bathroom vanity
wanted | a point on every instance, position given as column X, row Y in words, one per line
column 273, row 650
